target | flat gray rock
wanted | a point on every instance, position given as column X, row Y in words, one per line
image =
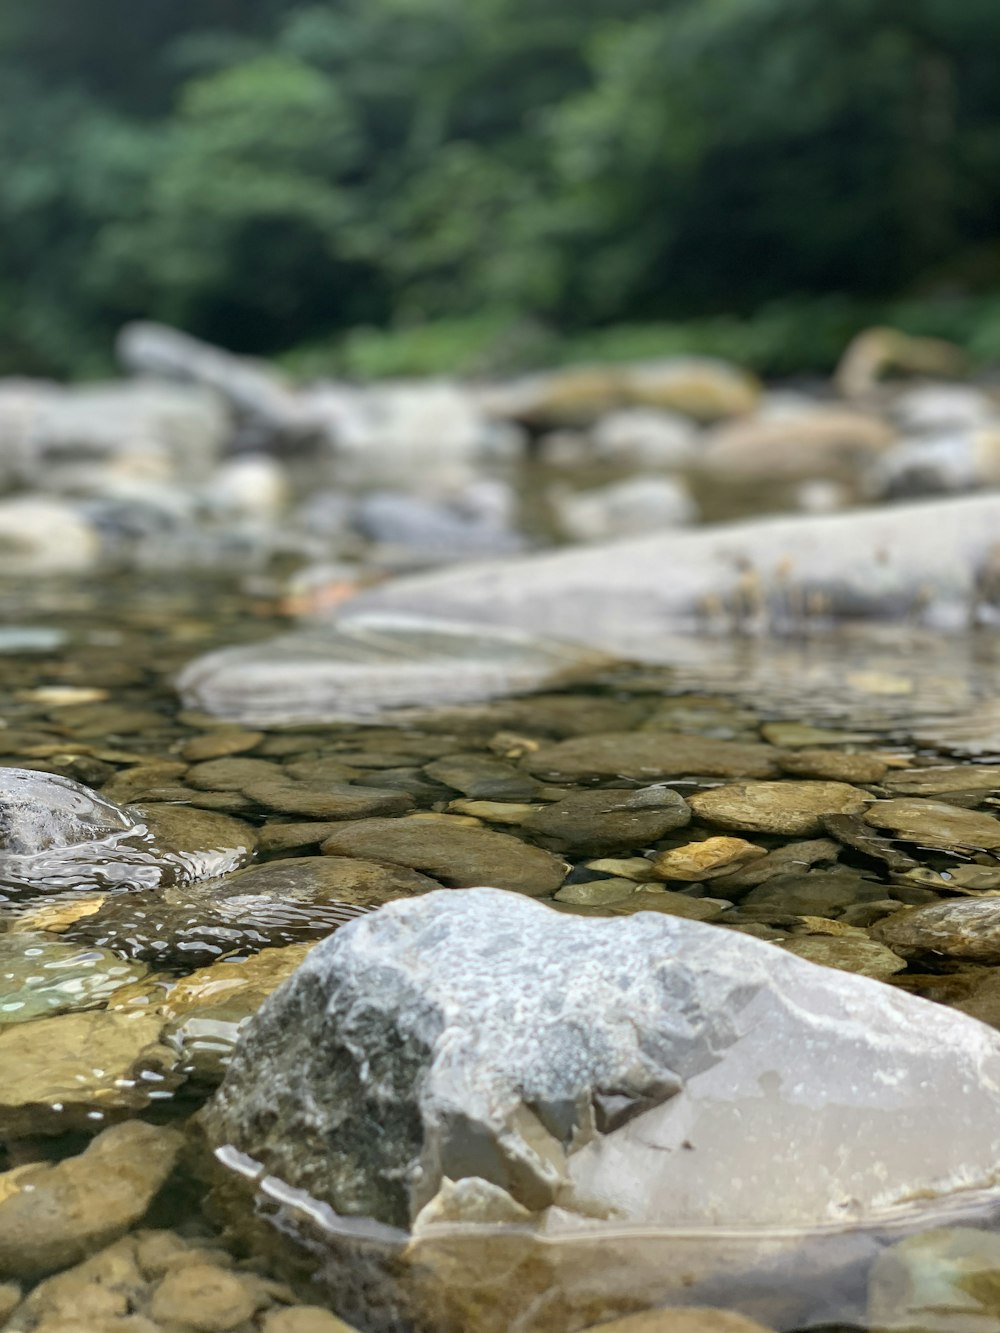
column 366, row 668
column 647, row 1070
column 934, row 559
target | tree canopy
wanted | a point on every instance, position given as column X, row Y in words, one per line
column 268, row 173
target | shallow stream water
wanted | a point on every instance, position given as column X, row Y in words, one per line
column 86, row 673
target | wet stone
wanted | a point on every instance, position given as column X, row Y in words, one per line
column 795, row 735
column 943, row 1281
column 40, row 976
column 305, row 1319
column 231, row 774
column 494, row 812
column 79, row 1071
column 610, row 820
column 277, row 903
column 109, row 719
column 656, row 1032
column 795, row 809
column 717, row 718
column 943, row 779
column 935, row 823
column 320, row 770
column 328, row 801
column 52, row 1216
column 688, row 1319
column 652, row 898
column 72, row 839
column 791, row 857
column 818, row 892
column 135, row 784
column 636, row 868
column 40, row 812
column 650, row 755
column 411, row 780
column 975, row 877
column 206, row 1298
column 553, row 715
column 866, row 958
column 482, row 777
column 219, row 743
column 597, row 892
column 834, row 765
column 705, row 859
column 966, row 928
column 370, row 667
column 281, row 837
column 456, row 855
column 855, row 833
column 206, row 1011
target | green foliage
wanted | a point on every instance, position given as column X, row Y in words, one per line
column 450, row 179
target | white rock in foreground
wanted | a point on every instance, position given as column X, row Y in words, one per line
column 365, row 667
column 651, row 1070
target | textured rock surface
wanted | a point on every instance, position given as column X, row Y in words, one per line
column 55, row 1215
column 79, row 1071
column 935, row 823
column 610, row 821
column 367, row 666
column 792, row 808
column 651, row 754
column 962, row 928
column 458, row 856
column 651, row 1069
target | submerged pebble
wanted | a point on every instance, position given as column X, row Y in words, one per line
column 80, row 1071
column 367, row 667
column 57, row 835
column 281, row 902
column 795, row 809
column 40, row 975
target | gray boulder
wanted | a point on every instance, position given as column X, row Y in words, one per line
column 268, row 412
column 475, row 1056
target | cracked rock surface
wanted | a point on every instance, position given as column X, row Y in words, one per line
column 640, row 1070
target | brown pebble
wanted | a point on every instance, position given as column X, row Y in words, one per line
column 219, row 744
column 304, row 1319
column 205, row 1297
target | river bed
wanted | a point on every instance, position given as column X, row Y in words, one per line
column 87, row 670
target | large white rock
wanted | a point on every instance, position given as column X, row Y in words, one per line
column 937, row 561
column 370, row 667
column 651, row 1071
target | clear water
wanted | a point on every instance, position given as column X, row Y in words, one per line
column 86, row 674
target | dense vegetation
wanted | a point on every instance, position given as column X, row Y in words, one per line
column 486, row 180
